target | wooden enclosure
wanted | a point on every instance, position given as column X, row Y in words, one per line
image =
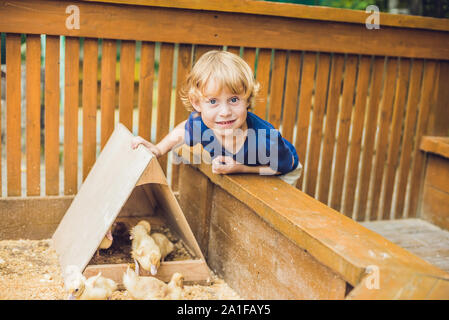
column 355, row 102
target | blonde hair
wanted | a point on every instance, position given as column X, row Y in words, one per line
column 227, row 69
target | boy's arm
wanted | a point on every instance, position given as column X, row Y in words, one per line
column 172, row 139
column 225, row 165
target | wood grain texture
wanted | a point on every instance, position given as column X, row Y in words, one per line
column 430, row 69
column 277, row 88
column 263, row 77
column 126, row 91
column 305, row 105
column 145, row 103
column 52, row 115
column 369, row 137
column 71, row 107
column 249, row 55
column 33, row 114
column 436, row 145
column 1, row 108
column 107, row 103
column 291, row 95
column 234, row 50
column 438, row 124
column 333, row 107
column 90, row 72
column 317, row 123
column 395, row 136
column 13, row 115
column 356, row 134
column 165, row 78
column 344, row 120
column 212, row 28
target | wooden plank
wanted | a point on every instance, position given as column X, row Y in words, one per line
column 52, row 115
column 145, row 103
column 212, row 28
column 438, row 124
column 416, row 177
column 126, row 91
column 369, row 137
column 249, row 55
column 13, row 114
column 263, row 77
column 1, row 108
column 317, row 123
column 356, row 134
column 90, row 72
column 305, row 104
column 343, row 132
column 71, row 107
column 234, row 50
column 436, row 145
column 407, row 145
column 164, row 96
column 291, row 95
column 435, row 206
column 33, row 116
column 295, row 11
column 194, row 271
column 395, row 136
column 382, row 136
column 331, row 125
column 440, row 291
column 243, row 246
column 437, row 172
column 181, row 113
column 107, row 103
column 277, row 87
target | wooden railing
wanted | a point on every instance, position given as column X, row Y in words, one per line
column 355, row 102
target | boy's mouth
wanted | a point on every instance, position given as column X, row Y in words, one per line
column 225, row 123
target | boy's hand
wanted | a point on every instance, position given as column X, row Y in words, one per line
column 225, row 165
column 139, row 140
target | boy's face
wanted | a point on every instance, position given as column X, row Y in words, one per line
column 222, row 111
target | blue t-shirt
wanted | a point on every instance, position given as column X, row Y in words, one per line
column 263, row 145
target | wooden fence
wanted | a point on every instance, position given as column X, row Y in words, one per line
column 355, row 102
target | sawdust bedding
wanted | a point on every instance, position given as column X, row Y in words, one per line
column 29, row 270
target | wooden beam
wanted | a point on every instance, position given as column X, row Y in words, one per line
column 114, row 21
column 436, row 145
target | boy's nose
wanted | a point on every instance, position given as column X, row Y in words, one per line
column 225, row 110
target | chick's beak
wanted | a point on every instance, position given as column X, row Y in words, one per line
column 109, row 235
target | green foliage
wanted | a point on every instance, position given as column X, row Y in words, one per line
column 348, row 4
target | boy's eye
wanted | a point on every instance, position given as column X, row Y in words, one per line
column 212, row 101
column 234, row 99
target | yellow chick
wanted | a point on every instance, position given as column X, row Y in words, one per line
column 165, row 245
column 175, row 287
column 94, row 288
column 144, row 248
column 144, row 288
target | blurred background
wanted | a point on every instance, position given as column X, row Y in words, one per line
column 428, row 8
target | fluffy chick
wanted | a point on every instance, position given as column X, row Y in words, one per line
column 144, row 248
column 144, row 288
column 165, row 245
column 94, row 288
column 175, row 287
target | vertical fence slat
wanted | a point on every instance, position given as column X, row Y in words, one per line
column 164, row 95
column 90, row 67
column 370, row 132
column 317, row 123
column 181, row 113
column 13, row 107
column 126, row 90
column 52, row 115
column 146, row 79
column 234, row 50
column 200, row 50
column 338, row 61
column 381, row 145
column 71, row 106
column 395, row 136
column 356, row 134
column 407, row 145
column 343, row 131
column 33, row 113
column 249, row 55
column 107, row 93
column 291, row 95
column 277, row 87
column 263, row 77
column 1, row 160
column 423, row 117
column 305, row 103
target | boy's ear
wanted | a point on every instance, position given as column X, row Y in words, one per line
column 195, row 103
